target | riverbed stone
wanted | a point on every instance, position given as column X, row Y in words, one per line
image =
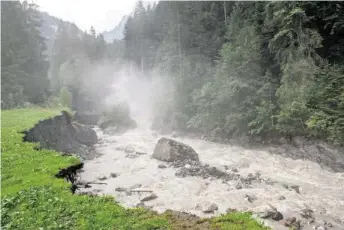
column 281, row 198
column 230, row 210
column 120, row 189
column 211, row 209
column 113, row 175
column 102, row 178
column 129, row 149
column 296, row 188
column 170, row 151
column 162, row 166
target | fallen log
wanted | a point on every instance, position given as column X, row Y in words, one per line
column 140, row 191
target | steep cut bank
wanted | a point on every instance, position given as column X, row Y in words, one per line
column 61, row 134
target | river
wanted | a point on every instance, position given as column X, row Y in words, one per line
column 320, row 190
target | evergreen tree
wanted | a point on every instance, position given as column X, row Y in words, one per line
column 24, row 65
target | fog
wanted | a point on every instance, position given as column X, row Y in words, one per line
column 151, row 95
column 147, row 95
column 255, row 88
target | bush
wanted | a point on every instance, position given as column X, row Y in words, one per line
column 65, row 98
column 117, row 115
column 53, row 102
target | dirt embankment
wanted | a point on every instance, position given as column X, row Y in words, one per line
column 60, row 133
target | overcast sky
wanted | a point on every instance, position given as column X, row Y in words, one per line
column 102, row 14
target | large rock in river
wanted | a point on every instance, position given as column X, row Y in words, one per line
column 61, row 134
column 170, row 150
column 84, row 134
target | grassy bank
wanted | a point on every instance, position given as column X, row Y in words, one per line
column 32, row 198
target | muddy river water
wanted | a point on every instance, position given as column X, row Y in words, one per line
column 320, row 190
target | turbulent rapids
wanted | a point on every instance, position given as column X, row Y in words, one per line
column 293, row 187
column 307, row 186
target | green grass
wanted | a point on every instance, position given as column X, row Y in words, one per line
column 32, row 198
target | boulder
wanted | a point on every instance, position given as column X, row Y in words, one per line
column 272, row 214
column 84, row 134
column 170, row 151
column 61, row 134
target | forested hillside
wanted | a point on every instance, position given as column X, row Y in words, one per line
column 245, row 69
column 117, row 32
column 239, row 69
column 23, row 63
column 33, row 73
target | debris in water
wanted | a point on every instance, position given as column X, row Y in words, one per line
column 129, row 149
column 162, row 166
column 281, row 198
column 230, row 210
column 235, row 170
column 250, row 198
column 113, row 175
column 131, row 156
column 120, row 189
column 135, row 186
column 296, row 188
column 306, row 213
column 102, row 178
column 285, row 186
column 152, row 196
column 211, row 209
column 238, row 185
column 272, row 214
column 292, row 223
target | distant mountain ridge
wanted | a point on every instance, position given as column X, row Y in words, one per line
column 49, row 28
column 117, row 32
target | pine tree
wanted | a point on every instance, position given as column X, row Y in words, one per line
column 24, row 65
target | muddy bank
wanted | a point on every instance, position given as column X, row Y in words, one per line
column 60, row 133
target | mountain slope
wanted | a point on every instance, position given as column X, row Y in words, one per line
column 49, row 28
column 117, row 32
